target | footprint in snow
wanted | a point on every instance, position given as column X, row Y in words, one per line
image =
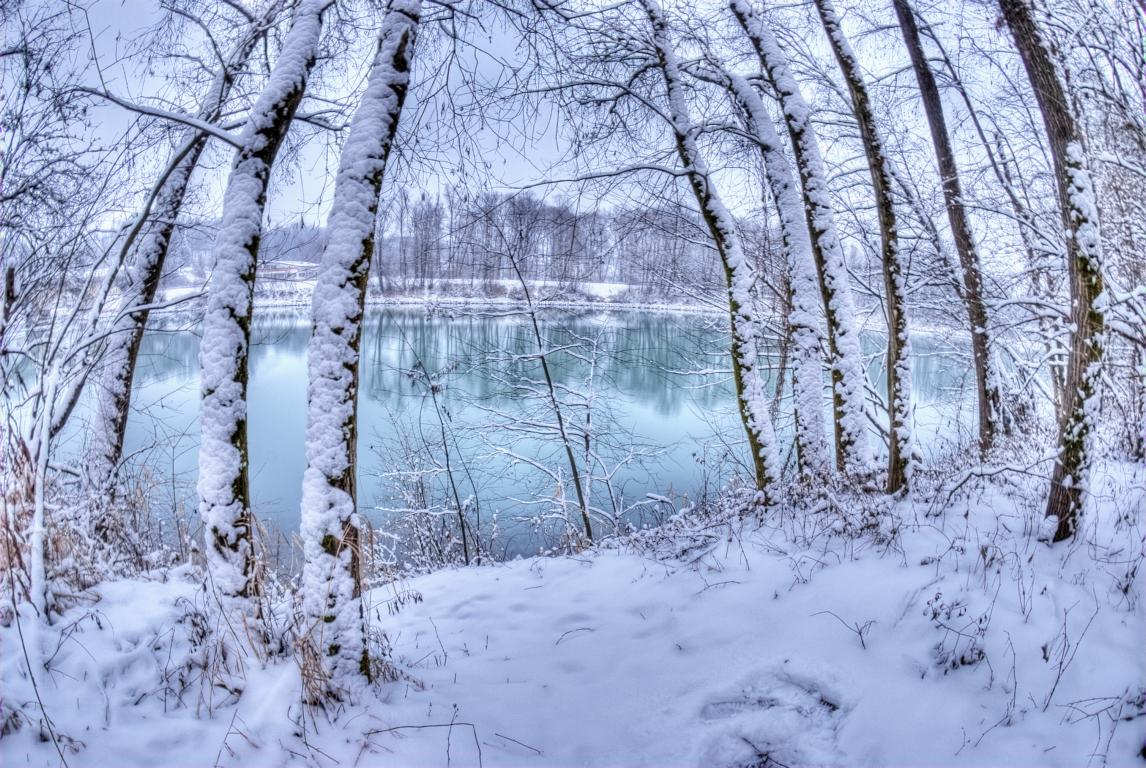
column 788, row 715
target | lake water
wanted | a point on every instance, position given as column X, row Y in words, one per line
column 647, row 406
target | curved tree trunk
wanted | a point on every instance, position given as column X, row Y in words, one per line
column 143, row 272
column 331, row 528
column 853, row 453
column 224, row 492
column 1038, row 244
column 812, row 452
column 1084, row 264
column 986, row 384
column 738, row 272
column 900, row 444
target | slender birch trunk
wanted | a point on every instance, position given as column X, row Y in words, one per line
column 853, row 453
column 900, row 443
column 738, row 272
column 331, row 527
column 575, row 473
column 986, row 383
column 224, row 492
column 1084, row 264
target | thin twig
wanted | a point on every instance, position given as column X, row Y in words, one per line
column 515, row 741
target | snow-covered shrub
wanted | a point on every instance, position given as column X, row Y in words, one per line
column 963, row 632
column 124, row 538
column 425, row 532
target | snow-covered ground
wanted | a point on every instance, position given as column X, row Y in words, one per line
column 929, row 632
column 297, row 292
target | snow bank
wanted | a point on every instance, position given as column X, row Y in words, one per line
column 851, row 634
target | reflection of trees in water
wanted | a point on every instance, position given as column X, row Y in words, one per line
column 641, row 383
column 481, row 358
column 171, row 348
column 167, row 354
column 643, row 354
column 939, row 369
column 500, row 419
column 646, row 356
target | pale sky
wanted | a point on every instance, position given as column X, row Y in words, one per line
column 502, row 155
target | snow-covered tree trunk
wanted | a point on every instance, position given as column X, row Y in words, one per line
column 224, row 493
column 900, row 443
column 1084, row 264
column 853, row 452
column 1138, row 430
column 738, row 271
column 331, row 525
column 142, row 273
column 812, row 450
column 986, row 383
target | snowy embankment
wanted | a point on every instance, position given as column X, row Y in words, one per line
column 497, row 294
column 849, row 634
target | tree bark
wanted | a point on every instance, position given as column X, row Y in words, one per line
column 1037, row 244
column 224, row 488
column 1138, row 429
column 986, row 384
column 1079, row 211
column 331, row 527
column 900, row 444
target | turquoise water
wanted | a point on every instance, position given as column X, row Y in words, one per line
column 645, row 400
